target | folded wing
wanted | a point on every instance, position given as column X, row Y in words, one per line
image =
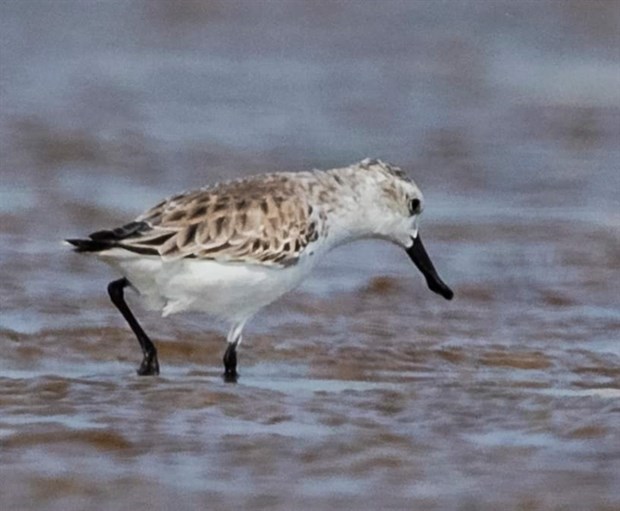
column 244, row 221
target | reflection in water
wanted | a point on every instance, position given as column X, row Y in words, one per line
column 362, row 390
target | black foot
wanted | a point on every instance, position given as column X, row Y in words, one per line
column 230, row 377
column 149, row 366
column 230, row 364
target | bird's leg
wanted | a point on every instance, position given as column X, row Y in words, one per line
column 150, row 364
column 230, row 356
column 230, row 363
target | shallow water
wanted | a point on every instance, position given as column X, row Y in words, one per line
column 361, row 390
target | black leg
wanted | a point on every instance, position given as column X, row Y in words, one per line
column 150, row 364
column 230, row 363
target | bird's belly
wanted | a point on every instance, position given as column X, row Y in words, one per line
column 231, row 291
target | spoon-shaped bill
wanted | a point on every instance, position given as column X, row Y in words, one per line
column 420, row 258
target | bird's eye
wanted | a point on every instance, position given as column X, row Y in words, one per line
column 414, row 206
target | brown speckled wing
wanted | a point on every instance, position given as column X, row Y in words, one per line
column 262, row 221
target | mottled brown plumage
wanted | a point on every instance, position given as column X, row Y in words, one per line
column 268, row 220
column 252, row 220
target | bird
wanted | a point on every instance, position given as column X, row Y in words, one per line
column 231, row 248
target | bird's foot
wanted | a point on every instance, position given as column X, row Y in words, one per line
column 230, row 376
column 230, row 364
column 149, row 365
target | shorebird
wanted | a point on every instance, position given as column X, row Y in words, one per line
column 232, row 248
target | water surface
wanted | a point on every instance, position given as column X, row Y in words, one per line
column 361, row 390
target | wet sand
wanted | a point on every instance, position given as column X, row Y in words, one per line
column 361, row 390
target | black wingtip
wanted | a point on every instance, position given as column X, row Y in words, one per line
column 82, row 245
column 106, row 239
column 120, row 233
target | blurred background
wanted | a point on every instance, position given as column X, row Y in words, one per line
column 362, row 390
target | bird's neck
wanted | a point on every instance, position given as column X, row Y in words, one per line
column 347, row 211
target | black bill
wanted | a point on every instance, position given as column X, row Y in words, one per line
column 423, row 262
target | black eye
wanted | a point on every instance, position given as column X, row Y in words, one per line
column 414, row 206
